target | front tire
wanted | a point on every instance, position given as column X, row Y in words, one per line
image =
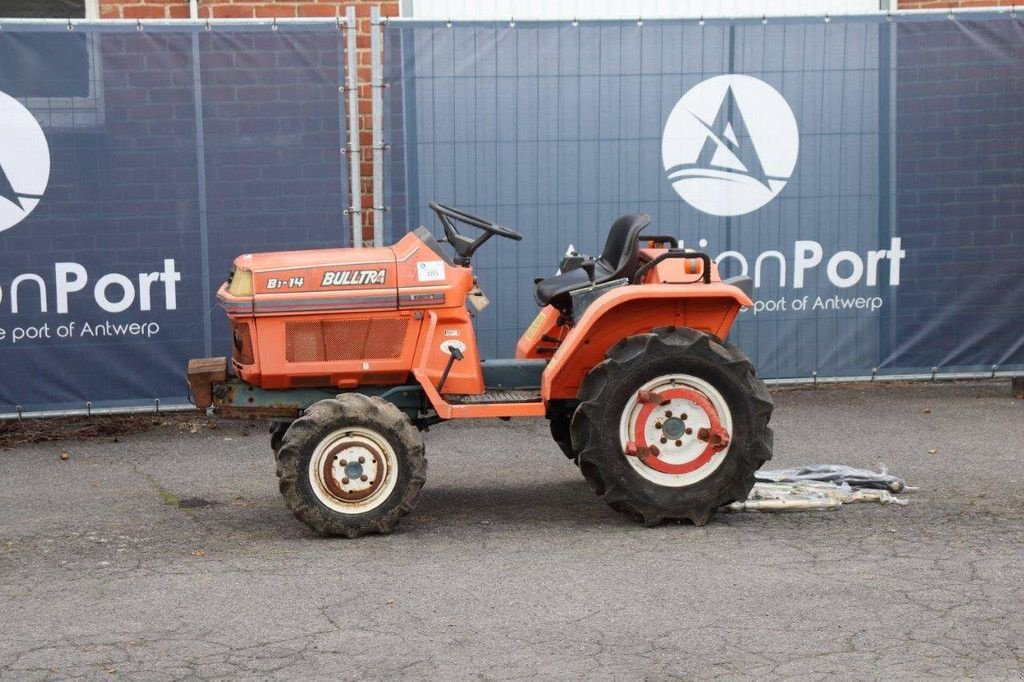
column 672, row 425
column 351, row 465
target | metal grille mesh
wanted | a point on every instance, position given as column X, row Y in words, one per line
column 243, row 344
column 331, row 340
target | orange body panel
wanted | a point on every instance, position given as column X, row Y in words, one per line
column 626, row 311
column 542, row 337
column 349, row 317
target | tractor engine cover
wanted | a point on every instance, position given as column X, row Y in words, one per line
column 337, row 317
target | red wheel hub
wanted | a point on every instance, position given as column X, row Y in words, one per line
column 715, row 436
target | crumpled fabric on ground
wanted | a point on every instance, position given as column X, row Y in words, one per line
column 834, row 473
column 809, row 495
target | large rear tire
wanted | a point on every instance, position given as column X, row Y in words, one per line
column 672, row 425
column 351, row 465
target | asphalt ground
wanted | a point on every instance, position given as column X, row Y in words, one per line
column 169, row 554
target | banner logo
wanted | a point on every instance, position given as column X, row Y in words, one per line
column 730, row 144
column 24, row 162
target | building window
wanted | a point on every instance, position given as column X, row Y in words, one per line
column 56, row 75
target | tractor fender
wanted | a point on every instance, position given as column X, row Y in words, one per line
column 630, row 310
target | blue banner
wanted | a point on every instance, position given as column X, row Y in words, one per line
column 864, row 171
column 135, row 164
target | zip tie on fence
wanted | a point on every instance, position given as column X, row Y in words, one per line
column 138, row 24
column 21, row 417
column 994, row 368
column 273, row 26
column 448, row 23
column 935, row 370
column 157, row 401
column 208, row 27
column 575, row 22
column 512, row 22
column 874, row 371
column 827, row 18
column 71, row 27
column 350, row 210
column 383, row 147
column 764, row 20
column 88, row 408
column 814, row 376
column 701, row 22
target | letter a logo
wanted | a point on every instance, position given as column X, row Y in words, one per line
column 730, row 144
column 24, row 162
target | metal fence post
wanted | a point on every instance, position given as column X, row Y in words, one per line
column 204, row 237
column 355, row 209
column 377, row 86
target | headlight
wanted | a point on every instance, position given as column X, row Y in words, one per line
column 240, row 283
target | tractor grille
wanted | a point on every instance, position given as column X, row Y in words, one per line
column 242, row 342
column 375, row 338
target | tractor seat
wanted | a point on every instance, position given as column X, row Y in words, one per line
column 620, row 258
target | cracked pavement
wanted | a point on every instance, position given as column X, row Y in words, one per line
column 170, row 555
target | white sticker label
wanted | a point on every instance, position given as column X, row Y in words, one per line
column 430, row 271
column 451, row 332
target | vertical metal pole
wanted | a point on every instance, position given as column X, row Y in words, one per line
column 377, row 106
column 352, row 92
column 204, row 239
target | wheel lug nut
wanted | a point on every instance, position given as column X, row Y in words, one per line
column 668, row 413
column 362, row 460
column 683, row 416
column 344, row 481
column 363, row 477
column 657, row 425
column 679, row 443
column 689, row 431
column 664, row 440
column 343, row 462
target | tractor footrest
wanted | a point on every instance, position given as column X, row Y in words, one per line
column 494, row 395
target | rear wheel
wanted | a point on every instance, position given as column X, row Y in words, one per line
column 351, row 465
column 672, row 425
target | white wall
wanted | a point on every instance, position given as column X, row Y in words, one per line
column 592, row 9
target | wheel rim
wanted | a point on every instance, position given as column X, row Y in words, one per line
column 675, row 430
column 353, row 470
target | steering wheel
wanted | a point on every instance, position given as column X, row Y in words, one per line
column 463, row 245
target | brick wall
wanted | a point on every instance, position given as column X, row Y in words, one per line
column 229, row 9
column 960, row 192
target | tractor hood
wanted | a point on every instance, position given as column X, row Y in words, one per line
column 321, row 279
column 412, row 273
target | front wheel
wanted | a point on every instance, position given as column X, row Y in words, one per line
column 672, row 425
column 351, row 465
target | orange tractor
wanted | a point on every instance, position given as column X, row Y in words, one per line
column 353, row 352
